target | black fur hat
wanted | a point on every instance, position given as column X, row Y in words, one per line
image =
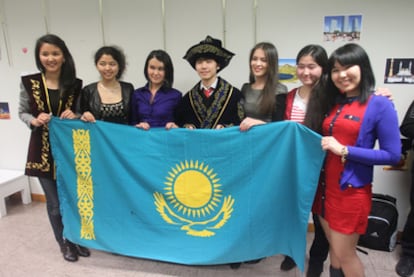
column 209, row 48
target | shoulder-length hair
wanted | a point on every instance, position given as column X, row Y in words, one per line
column 117, row 54
column 349, row 55
column 68, row 72
column 268, row 99
column 325, row 94
column 163, row 57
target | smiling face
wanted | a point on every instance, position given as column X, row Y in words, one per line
column 156, row 72
column 108, row 67
column 51, row 58
column 258, row 63
column 207, row 70
column 347, row 78
column 308, row 71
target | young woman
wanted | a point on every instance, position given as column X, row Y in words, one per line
column 153, row 105
column 352, row 119
column 109, row 98
column 52, row 92
column 263, row 97
column 311, row 63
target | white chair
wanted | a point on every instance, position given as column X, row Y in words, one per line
column 12, row 181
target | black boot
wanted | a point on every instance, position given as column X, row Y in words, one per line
column 336, row 272
column 68, row 250
column 315, row 269
column 235, row 265
column 82, row 251
column 287, row 264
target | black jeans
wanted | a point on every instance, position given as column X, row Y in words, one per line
column 407, row 240
column 320, row 245
column 53, row 207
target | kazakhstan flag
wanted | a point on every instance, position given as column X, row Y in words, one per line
column 194, row 197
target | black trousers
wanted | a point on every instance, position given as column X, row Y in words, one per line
column 407, row 240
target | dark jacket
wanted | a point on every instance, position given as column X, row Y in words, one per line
column 91, row 101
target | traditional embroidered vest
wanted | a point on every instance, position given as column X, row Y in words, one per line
column 39, row 158
column 210, row 112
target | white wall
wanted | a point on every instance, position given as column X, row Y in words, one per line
column 139, row 26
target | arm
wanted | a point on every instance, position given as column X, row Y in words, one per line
column 407, row 125
column 85, row 105
column 24, row 107
column 385, row 128
column 134, row 109
column 25, row 112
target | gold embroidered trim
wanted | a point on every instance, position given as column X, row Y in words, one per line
column 209, row 117
column 82, row 151
column 44, row 165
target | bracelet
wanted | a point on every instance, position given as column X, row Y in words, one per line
column 344, row 154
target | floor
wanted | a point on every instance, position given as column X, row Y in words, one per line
column 27, row 248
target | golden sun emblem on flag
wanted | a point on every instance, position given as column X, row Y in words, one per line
column 194, row 200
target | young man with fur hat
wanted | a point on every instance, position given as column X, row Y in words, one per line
column 212, row 103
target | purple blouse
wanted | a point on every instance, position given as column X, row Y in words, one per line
column 157, row 113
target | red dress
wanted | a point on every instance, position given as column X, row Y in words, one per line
column 347, row 210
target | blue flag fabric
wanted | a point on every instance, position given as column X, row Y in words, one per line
column 195, row 197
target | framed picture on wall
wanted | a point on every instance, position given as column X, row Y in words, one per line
column 399, row 71
column 287, row 71
column 342, row 28
column 4, row 110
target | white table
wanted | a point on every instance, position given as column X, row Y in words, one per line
column 12, row 181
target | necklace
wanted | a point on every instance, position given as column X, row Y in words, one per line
column 114, row 89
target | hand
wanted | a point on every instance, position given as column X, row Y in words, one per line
column 249, row 122
column 41, row 119
column 189, row 126
column 170, row 125
column 87, row 117
column 219, row 126
column 143, row 125
column 384, row 92
column 67, row 114
column 331, row 144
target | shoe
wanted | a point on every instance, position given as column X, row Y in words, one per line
column 287, row 264
column 405, row 266
column 314, row 270
column 69, row 252
column 253, row 261
column 336, row 272
column 235, row 265
column 82, row 251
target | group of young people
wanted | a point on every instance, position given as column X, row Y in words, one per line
column 336, row 99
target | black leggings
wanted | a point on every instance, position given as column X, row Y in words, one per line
column 49, row 187
column 320, row 245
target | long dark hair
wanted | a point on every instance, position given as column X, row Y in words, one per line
column 319, row 55
column 163, row 57
column 117, row 54
column 268, row 99
column 67, row 76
